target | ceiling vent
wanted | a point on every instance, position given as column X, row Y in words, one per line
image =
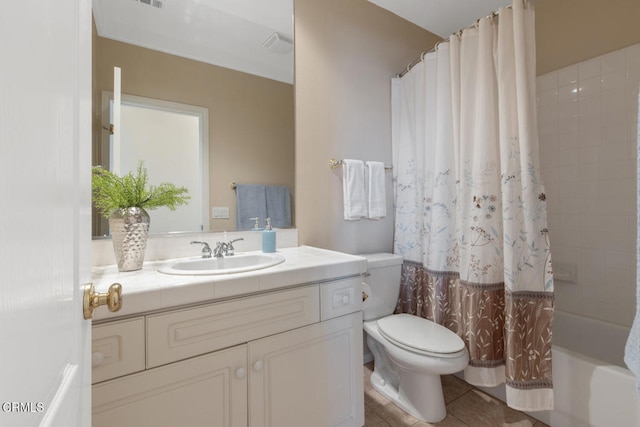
column 278, row 43
column 155, row 3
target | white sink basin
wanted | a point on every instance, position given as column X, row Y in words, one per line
column 225, row 265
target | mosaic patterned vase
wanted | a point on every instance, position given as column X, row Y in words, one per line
column 129, row 232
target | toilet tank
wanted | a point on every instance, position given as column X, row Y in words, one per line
column 384, row 283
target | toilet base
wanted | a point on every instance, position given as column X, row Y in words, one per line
column 428, row 404
column 410, row 380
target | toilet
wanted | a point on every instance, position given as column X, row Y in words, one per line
column 410, row 353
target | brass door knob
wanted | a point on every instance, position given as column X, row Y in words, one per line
column 92, row 300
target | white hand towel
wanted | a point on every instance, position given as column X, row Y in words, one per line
column 353, row 190
column 377, row 206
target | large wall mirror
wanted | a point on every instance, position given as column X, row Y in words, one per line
column 232, row 58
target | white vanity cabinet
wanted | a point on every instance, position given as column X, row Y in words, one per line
column 286, row 358
column 310, row 376
column 209, row 390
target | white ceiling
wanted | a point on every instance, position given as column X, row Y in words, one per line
column 442, row 17
column 228, row 33
column 231, row 33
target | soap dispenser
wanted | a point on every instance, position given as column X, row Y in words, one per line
column 256, row 226
column 268, row 238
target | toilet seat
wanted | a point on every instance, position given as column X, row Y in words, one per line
column 421, row 336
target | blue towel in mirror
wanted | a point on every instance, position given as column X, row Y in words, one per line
column 279, row 205
column 250, row 202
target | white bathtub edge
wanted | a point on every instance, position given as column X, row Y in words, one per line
column 587, row 392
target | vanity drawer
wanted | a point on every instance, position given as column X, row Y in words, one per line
column 340, row 297
column 190, row 332
column 117, row 349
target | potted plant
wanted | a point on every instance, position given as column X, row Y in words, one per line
column 124, row 201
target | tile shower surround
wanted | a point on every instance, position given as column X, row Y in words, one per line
column 587, row 122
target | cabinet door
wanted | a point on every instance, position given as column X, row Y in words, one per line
column 117, row 349
column 309, row 377
column 209, row 390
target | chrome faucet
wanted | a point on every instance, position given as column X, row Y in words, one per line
column 225, row 249
column 230, row 249
column 206, row 249
column 220, row 250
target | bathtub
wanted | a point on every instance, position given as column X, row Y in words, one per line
column 591, row 386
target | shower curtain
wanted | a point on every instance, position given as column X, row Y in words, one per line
column 470, row 205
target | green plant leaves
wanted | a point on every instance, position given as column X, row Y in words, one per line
column 111, row 192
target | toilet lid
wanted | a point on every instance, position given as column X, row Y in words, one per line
column 419, row 334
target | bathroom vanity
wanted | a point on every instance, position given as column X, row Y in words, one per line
column 280, row 347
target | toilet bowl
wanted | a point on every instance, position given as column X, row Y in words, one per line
column 410, row 353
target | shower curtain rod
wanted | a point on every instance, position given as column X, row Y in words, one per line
column 458, row 33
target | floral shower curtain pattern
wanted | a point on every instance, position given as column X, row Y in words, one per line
column 470, row 203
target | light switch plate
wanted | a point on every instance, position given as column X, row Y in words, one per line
column 218, row 212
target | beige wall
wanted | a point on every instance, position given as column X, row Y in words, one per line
column 250, row 118
column 346, row 53
column 571, row 31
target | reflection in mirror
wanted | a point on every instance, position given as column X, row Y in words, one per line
column 172, row 141
column 251, row 128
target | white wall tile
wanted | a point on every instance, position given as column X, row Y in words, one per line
column 548, row 97
column 590, row 107
column 568, row 189
column 568, row 157
column 568, row 135
column 588, row 69
column 613, row 133
column 599, row 206
column 570, row 238
column 568, row 174
column 567, row 127
column 614, row 81
column 589, row 187
column 633, row 54
column 589, row 130
column 613, row 109
column 614, row 153
column 614, row 61
column 569, row 297
column 548, row 115
column 547, row 81
column 588, row 156
column 567, row 110
column 589, row 87
column 568, row 75
column 568, row 92
column 633, row 77
column 611, row 185
column 632, row 167
column 570, row 205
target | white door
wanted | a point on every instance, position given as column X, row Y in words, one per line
column 45, row 140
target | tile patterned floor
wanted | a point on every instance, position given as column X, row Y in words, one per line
column 466, row 407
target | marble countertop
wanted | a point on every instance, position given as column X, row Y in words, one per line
column 148, row 290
